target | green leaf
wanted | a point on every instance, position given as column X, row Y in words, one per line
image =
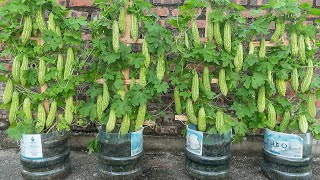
column 93, row 146
column 258, row 80
column 2, row 67
column 243, row 110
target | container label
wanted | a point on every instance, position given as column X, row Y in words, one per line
column 31, row 146
column 136, row 142
column 194, row 141
column 283, row 145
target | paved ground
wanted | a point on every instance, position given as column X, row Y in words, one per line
column 159, row 166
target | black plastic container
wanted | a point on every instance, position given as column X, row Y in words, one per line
column 279, row 167
column 120, row 156
column 211, row 159
column 55, row 162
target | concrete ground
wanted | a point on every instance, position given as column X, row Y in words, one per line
column 158, row 166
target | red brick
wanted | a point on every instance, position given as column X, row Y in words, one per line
column 62, row 2
column 312, row 16
column 272, row 25
column 86, row 37
column 77, row 14
column 162, row 23
column 307, row 1
column 290, row 92
column 200, row 23
column 2, row 3
column 8, row 66
column 161, row 11
column 256, row 2
column 175, row 12
column 81, row 3
column 95, row 15
column 241, row 2
column 318, row 104
column 307, row 22
column 247, row 14
column 167, row 2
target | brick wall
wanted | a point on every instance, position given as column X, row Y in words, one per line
column 165, row 125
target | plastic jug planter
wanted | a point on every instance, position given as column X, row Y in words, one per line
column 207, row 155
column 45, row 156
column 287, row 156
column 121, row 155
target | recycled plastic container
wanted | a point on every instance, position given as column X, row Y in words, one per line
column 45, row 156
column 207, row 155
column 120, row 156
column 287, row 156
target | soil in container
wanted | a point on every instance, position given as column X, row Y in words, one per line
column 45, row 156
column 120, row 156
column 287, row 156
column 207, row 155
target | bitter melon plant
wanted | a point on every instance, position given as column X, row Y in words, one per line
column 285, row 122
column 115, row 36
column 227, row 37
column 27, row 29
column 51, row 22
column 272, row 116
column 295, row 80
column 238, row 60
column 195, row 33
column 220, row 121
column 122, row 20
column 26, row 107
column 24, row 67
column 38, row 45
column 145, row 52
column 7, row 94
column 125, row 125
column 41, row 119
column 161, row 67
column 190, row 112
column 42, row 71
column 206, row 81
column 134, row 27
column 303, row 124
column 68, row 111
column 262, row 51
column 222, row 82
column 40, row 20
column 210, row 30
column 195, row 87
column 52, row 114
column 141, row 116
column 202, row 123
column 282, row 87
column 311, row 106
column 261, row 102
column 302, row 49
column 68, row 69
column 217, row 34
column 16, row 69
column 177, row 101
column 294, row 44
column 60, row 66
column 111, row 121
column 308, row 77
column 14, row 107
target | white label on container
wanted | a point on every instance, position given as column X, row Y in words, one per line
column 194, row 141
column 31, row 146
column 136, row 142
column 282, row 144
